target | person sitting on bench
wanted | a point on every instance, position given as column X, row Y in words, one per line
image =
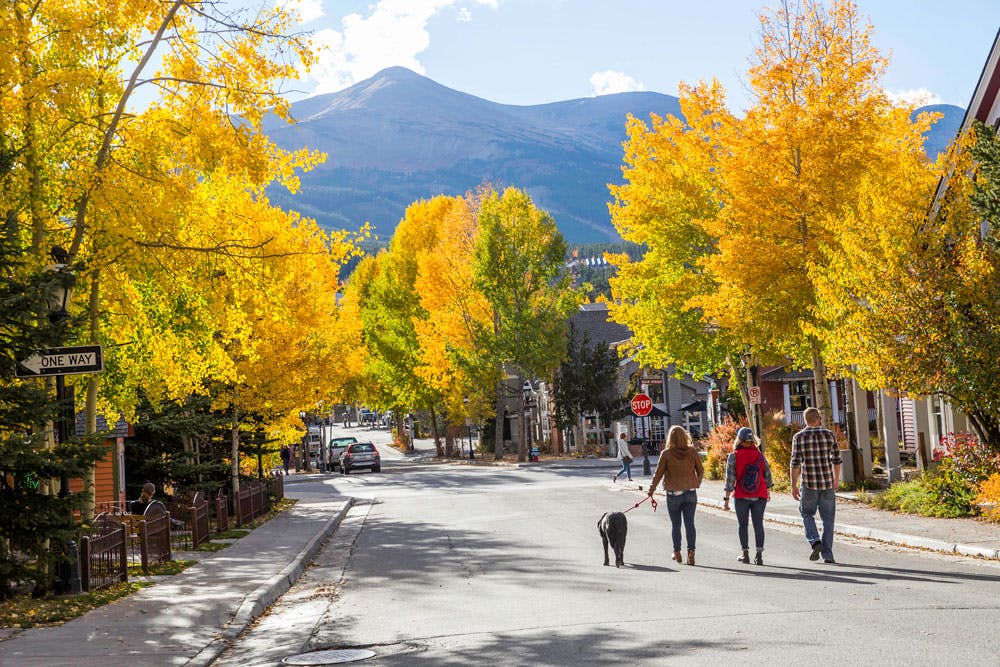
column 139, row 506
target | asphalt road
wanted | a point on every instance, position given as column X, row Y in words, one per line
column 457, row 565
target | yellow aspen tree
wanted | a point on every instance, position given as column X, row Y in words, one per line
column 451, row 360
column 778, row 181
column 110, row 180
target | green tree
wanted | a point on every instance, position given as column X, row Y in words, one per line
column 34, row 519
column 518, row 260
column 587, row 382
column 928, row 320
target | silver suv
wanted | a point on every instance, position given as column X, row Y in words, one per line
column 337, row 447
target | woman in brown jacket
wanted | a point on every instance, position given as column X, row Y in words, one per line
column 681, row 470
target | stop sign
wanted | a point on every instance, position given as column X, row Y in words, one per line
column 642, row 405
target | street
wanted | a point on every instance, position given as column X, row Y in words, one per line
column 458, row 565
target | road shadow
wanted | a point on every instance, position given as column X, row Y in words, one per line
column 648, row 568
column 559, row 646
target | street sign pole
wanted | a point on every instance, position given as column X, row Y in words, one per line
column 642, row 405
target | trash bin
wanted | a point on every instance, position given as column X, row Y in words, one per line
column 533, row 456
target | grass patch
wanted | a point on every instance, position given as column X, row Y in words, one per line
column 24, row 611
column 231, row 534
column 212, row 547
column 170, row 567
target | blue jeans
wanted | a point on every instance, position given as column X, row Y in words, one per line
column 826, row 502
column 678, row 508
column 750, row 508
column 626, row 468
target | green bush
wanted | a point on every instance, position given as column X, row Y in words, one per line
column 940, row 493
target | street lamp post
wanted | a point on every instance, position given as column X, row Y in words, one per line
column 63, row 281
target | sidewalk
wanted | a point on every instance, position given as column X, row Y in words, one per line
column 187, row 619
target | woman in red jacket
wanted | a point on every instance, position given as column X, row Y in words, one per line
column 748, row 478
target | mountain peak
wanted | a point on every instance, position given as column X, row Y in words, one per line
column 395, row 87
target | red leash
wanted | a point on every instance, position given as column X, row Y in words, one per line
column 650, row 498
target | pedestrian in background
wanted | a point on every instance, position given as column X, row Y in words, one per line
column 286, row 457
column 815, row 462
column 681, row 471
column 748, row 478
column 624, row 458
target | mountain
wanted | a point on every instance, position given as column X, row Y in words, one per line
column 944, row 130
column 399, row 137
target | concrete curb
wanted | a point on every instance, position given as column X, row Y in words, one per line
column 255, row 603
column 885, row 536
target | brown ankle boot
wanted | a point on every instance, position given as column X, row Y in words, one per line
column 690, row 556
column 677, row 556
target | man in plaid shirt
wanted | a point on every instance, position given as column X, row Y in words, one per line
column 816, row 462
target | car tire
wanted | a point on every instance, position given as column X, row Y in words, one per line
column 376, row 468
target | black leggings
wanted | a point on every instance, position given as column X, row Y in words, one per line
column 752, row 508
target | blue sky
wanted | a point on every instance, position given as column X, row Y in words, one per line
column 537, row 51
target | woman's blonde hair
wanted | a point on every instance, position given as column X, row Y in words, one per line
column 678, row 438
column 148, row 491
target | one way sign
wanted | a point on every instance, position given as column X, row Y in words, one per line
column 63, row 361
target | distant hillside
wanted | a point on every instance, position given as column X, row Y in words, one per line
column 399, row 137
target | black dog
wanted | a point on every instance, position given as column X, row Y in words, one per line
column 613, row 527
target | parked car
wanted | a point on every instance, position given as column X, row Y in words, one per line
column 360, row 455
column 336, row 448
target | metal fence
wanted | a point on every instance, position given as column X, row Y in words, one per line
column 104, row 554
column 189, row 520
column 149, row 536
column 251, row 501
column 221, row 512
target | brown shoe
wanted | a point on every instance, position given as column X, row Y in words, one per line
column 690, row 556
column 677, row 556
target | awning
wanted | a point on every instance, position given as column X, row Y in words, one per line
column 655, row 412
column 694, row 406
column 785, row 375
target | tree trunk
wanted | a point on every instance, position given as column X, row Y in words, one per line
column 821, row 385
column 498, row 430
column 437, row 432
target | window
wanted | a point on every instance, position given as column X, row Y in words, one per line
column 800, row 395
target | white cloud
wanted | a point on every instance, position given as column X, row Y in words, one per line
column 610, row 81
column 308, row 10
column 917, row 97
column 393, row 33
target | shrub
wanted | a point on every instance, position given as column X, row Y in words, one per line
column 912, row 497
column 989, row 495
column 719, row 443
column 939, row 493
column 971, row 459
